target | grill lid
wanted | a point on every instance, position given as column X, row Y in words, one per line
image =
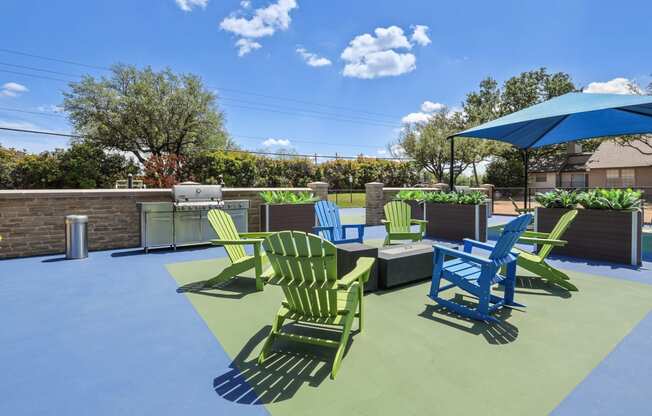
column 195, row 193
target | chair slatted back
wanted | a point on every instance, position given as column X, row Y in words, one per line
column 399, row 214
column 225, row 229
column 328, row 215
column 511, row 233
column 305, row 266
column 557, row 232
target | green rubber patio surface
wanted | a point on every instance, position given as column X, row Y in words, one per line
column 415, row 358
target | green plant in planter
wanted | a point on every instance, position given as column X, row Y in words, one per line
column 558, row 198
column 471, row 198
column 287, row 197
column 410, row 195
column 612, row 199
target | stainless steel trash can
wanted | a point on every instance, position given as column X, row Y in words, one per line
column 76, row 237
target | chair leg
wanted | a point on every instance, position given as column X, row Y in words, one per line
column 360, row 308
column 276, row 326
column 258, row 268
column 387, row 240
column 510, row 282
column 436, row 274
column 343, row 342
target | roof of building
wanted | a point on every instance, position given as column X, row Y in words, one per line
column 568, row 163
column 611, row 154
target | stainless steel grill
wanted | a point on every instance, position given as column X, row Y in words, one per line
column 184, row 221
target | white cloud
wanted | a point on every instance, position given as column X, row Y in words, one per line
column 615, row 86
column 188, row 5
column 371, row 56
column 430, row 107
column 276, row 142
column 420, row 35
column 246, row 45
column 12, row 89
column 382, row 152
column 397, row 151
column 313, row 59
column 416, row 118
column 264, row 22
column 245, row 4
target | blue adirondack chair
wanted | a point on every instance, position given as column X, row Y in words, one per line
column 330, row 227
column 476, row 274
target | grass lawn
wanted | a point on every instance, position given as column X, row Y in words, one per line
column 344, row 200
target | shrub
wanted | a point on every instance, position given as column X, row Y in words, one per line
column 471, row 198
column 613, row 199
column 287, row 197
column 558, row 198
column 410, row 195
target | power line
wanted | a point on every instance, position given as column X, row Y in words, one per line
column 34, row 76
column 31, row 68
column 303, row 102
column 75, row 136
column 46, row 58
column 239, row 91
column 309, row 115
column 235, row 135
column 39, row 113
column 363, row 118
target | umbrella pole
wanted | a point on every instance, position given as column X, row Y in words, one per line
column 526, row 160
column 451, row 180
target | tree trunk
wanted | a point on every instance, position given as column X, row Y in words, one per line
column 475, row 175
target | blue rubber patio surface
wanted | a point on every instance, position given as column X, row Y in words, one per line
column 110, row 335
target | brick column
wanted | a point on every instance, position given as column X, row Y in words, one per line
column 374, row 202
column 320, row 189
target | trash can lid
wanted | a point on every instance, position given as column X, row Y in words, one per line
column 76, row 219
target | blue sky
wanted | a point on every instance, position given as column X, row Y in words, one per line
column 353, row 97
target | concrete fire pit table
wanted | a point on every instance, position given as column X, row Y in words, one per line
column 408, row 263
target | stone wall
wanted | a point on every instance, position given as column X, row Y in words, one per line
column 32, row 221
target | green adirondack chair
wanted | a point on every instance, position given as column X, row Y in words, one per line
column 234, row 243
column 398, row 223
column 305, row 267
column 536, row 263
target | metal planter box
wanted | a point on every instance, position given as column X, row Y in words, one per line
column 456, row 222
column 417, row 209
column 613, row 236
column 282, row 217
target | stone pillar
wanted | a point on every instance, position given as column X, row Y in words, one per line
column 374, row 202
column 320, row 189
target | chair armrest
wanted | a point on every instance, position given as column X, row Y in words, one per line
column 362, row 268
column 243, row 242
column 461, row 254
column 324, row 228
column 468, row 243
column 534, row 234
column 412, row 221
column 385, row 222
column 556, row 243
column 261, row 234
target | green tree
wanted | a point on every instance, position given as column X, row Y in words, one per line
column 146, row 113
column 41, row 171
column 85, row 165
column 8, row 160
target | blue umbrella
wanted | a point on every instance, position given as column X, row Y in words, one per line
column 570, row 117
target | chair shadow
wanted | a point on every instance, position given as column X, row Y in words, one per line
column 534, row 285
column 235, row 288
column 287, row 368
column 499, row 333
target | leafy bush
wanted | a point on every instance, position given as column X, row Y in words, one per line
column 410, row 195
column 613, row 199
column 471, row 198
column 558, row 198
column 287, row 197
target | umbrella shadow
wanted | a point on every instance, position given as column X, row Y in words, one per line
column 495, row 333
column 288, row 368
